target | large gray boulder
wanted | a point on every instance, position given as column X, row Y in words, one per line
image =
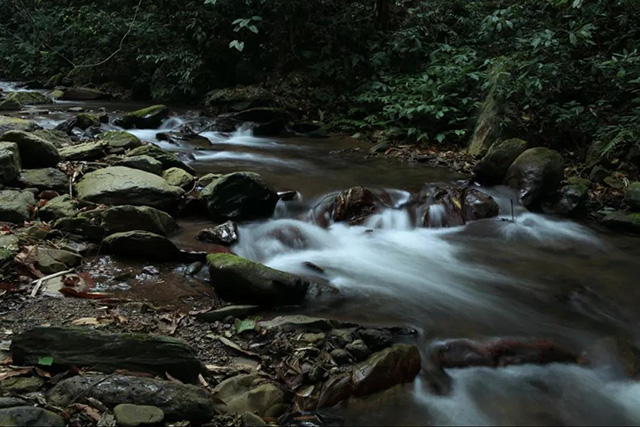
column 142, row 162
column 239, row 196
column 118, row 185
column 35, row 152
column 146, row 118
column 59, row 207
column 28, row 98
column 536, row 174
column 115, row 140
column 143, row 218
column 84, row 151
column 179, row 178
column 44, row 179
column 177, row 401
column 244, row 281
column 16, row 206
column 81, row 347
column 494, row 165
column 142, row 244
column 14, row 123
column 168, row 160
column 9, row 162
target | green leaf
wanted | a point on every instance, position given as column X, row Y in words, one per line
column 210, row 1
column 45, row 361
column 246, row 325
column 237, row 44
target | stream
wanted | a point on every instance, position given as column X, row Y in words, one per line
column 534, row 277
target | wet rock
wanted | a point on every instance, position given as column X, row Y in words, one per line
column 49, row 260
column 623, row 221
column 14, row 123
column 83, row 94
column 143, row 163
column 35, row 152
column 142, row 244
column 237, row 99
column 10, row 402
column 632, row 197
column 395, row 365
column 28, row 416
column 310, row 129
column 107, row 352
column 193, row 140
column 119, row 140
column 454, row 206
column 223, row 234
column 534, row 174
column 241, row 280
column 376, row 339
column 167, row 159
column 250, row 393
column 118, row 185
column 464, row 353
column 129, row 415
column 9, row 162
column 44, row 179
column 358, row 349
column 177, row 401
column 56, row 137
column 87, row 120
column 567, row 200
column 21, row 385
column 28, row 98
column 179, row 178
column 380, row 147
column 144, row 218
column 16, row 206
column 10, row 105
column 354, row 205
column 262, row 121
column 494, row 165
column 287, row 195
column 146, row 118
column 81, row 227
column 238, row 311
column 58, row 207
column 207, row 179
column 239, row 196
column 85, row 151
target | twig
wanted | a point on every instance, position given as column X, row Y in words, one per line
column 41, row 280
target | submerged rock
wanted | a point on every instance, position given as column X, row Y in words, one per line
column 16, row 206
column 177, row 401
column 494, row 165
column 536, row 173
column 143, row 163
column 30, row 416
column 9, row 162
column 106, row 352
column 146, row 118
column 142, row 244
column 250, row 393
column 223, row 234
column 355, row 204
column 566, row 200
column 44, row 179
column 35, row 152
column 116, row 140
column 239, row 196
column 454, row 206
column 168, row 160
column 144, row 218
column 241, row 280
column 118, row 185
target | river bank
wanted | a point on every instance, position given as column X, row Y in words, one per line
column 394, row 281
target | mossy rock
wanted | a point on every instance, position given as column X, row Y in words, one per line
column 239, row 196
column 14, row 123
column 85, row 151
column 35, row 152
column 10, row 105
column 9, row 162
column 128, row 415
column 168, row 160
column 59, row 207
column 623, row 221
column 87, row 120
column 142, row 162
column 50, row 260
column 237, row 99
column 16, row 206
column 494, row 165
column 142, row 244
column 44, row 179
column 119, row 140
column 146, row 118
column 30, row 416
column 83, row 94
column 179, row 178
column 80, row 226
column 208, row 179
column 632, row 197
column 129, row 218
column 536, row 174
column 56, row 137
column 28, row 98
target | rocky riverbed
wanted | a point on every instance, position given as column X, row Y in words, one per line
column 147, row 278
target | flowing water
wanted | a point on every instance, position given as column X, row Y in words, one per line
column 535, row 277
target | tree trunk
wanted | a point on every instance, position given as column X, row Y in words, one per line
column 382, row 13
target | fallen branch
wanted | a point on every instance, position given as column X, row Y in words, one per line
column 41, row 280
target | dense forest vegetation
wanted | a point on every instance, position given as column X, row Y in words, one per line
column 561, row 72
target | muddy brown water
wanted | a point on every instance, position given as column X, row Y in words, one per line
column 537, row 277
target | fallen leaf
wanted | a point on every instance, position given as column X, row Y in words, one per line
column 45, row 361
column 15, row 373
column 245, row 325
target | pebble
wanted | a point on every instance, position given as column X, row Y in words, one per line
column 128, row 415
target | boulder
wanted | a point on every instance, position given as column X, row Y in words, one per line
column 142, row 244
column 167, row 159
column 312, row 130
column 241, row 280
column 84, row 151
column 535, row 174
column 355, row 204
column 10, row 402
column 237, row 99
column 144, row 218
column 21, row 385
column 146, row 118
column 28, row 98
column 118, row 185
column 623, row 221
column 50, row 260
column 128, row 415
column 250, row 393
column 224, row 234
column 86, row 120
column 9, row 162
column 16, row 206
column 262, row 121
column 397, row 364
column 566, row 200
column 239, row 196
column 82, row 94
column 179, row 178
column 494, row 165
column 35, row 152
column 207, row 179
column 115, row 140
column 30, row 416
column 10, row 105
column 82, row 347
column 441, row 206
column 177, row 401
column 14, row 123
column 632, row 197
column 59, row 207
column 143, row 163
column 56, row 137
column 44, row 179
column 81, row 227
